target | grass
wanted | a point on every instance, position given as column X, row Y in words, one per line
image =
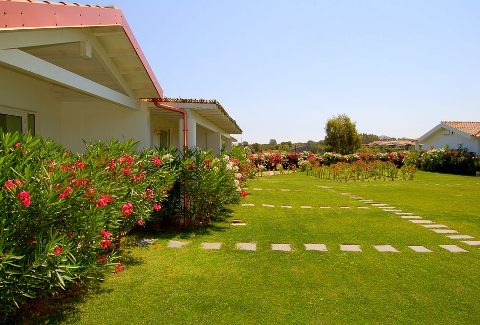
column 190, row 285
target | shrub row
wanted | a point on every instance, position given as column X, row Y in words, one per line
column 62, row 215
column 446, row 160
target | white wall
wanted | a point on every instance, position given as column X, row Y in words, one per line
column 439, row 140
column 69, row 123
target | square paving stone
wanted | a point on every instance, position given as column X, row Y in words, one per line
column 305, row 207
column 420, row 221
column 420, row 249
column 176, row 244
column 392, row 210
column 286, row 206
column 379, row 204
column 324, row 207
column 256, row 189
column 386, row 248
column 453, row 248
column 211, row 245
column 316, row 247
column 460, row 237
column 282, row 247
column 444, row 231
column 247, row 246
column 411, row 217
column 435, row 226
column 268, row 205
column 471, row 242
column 363, row 207
column 350, row 248
column 248, row 205
column 404, row 213
column 235, row 224
column 284, row 190
column 344, row 207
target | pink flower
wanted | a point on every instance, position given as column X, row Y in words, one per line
column 58, row 250
column 149, row 194
column 9, row 185
column 105, row 234
column 66, row 193
column 17, row 145
column 157, row 161
column 127, row 209
column 24, row 197
column 119, row 268
column 79, row 164
column 105, row 243
column 157, row 207
column 243, row 193
column 103, row 201
column 140, row 222
column 112, row 164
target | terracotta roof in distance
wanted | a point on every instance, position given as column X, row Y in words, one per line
column 472, row 128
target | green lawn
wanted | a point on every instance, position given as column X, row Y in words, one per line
column 228, row 286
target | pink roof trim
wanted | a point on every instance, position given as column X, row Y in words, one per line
column 31, row 14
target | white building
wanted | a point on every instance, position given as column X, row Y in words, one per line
column 76, row 73
column 452, row 134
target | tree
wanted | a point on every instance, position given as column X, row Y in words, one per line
column 342, row 136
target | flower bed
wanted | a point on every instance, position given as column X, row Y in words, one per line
column 446, row 160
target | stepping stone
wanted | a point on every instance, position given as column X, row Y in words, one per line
column 176, row 244
column 286, row 206
column 145, row 241
column 344, row 207
column 379, row 204
column 238, row 224
column 460, row 237
column 420, row 249
column 363, row 207
column 471, row 242
column 305, row 207
column 453, row 248
column 366, row 201
column 411, row 217
column 211, row 245
column 346, row 193
column 350, row 248
column 284, row 190
column 256, row 189
column 246, row 246
column 420, row 221
column 316, row 247
column 435, row 226
column 387, row 208
column 281, row 247
column 392, row 210
column 386, row 248
column 324, row 207
column 444, row 231
column 404, row 213
column 268, row 205
column 248, row 205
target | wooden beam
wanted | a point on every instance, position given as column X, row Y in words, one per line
column 28, row 38
column 32, row 65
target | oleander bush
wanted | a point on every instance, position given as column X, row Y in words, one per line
column 445, row 160
column 62, row 214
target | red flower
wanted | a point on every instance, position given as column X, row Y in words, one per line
column 70, row 234
column 103, row 201
column 58, row 250
column 105, row 234
column 119, row 268
column 157, row 207
column 105, row 243
column 140, row 222
column 129, row 160
column 243, row 193
column 9, row 185
column 127, row 209
column 112, row 164
column 102, row 259
column 79, row 164
column 24, row 197
column 157, row 161
column 17, row 145
column 126, row 170
column 66, row 193
column 149, row 194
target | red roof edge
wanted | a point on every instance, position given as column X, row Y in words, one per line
column 32, row 14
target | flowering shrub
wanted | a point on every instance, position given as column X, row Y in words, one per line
column 62, row 214
column 205, row 188
column 446, row 160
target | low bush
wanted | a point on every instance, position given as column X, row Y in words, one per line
column 445, row 160
column 62, row 215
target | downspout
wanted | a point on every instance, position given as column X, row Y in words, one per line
column 157, row 102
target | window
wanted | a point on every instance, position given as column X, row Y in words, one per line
column 164, row 138
column 13, row 120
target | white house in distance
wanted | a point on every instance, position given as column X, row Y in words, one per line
column 454, row 134
column 76, row 73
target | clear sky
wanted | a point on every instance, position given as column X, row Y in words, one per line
column 281, row 68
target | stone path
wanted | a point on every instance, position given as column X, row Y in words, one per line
column 285, row 247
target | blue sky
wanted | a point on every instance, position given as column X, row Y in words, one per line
column 281, row 68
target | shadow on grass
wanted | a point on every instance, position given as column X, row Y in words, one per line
column 65, row 306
